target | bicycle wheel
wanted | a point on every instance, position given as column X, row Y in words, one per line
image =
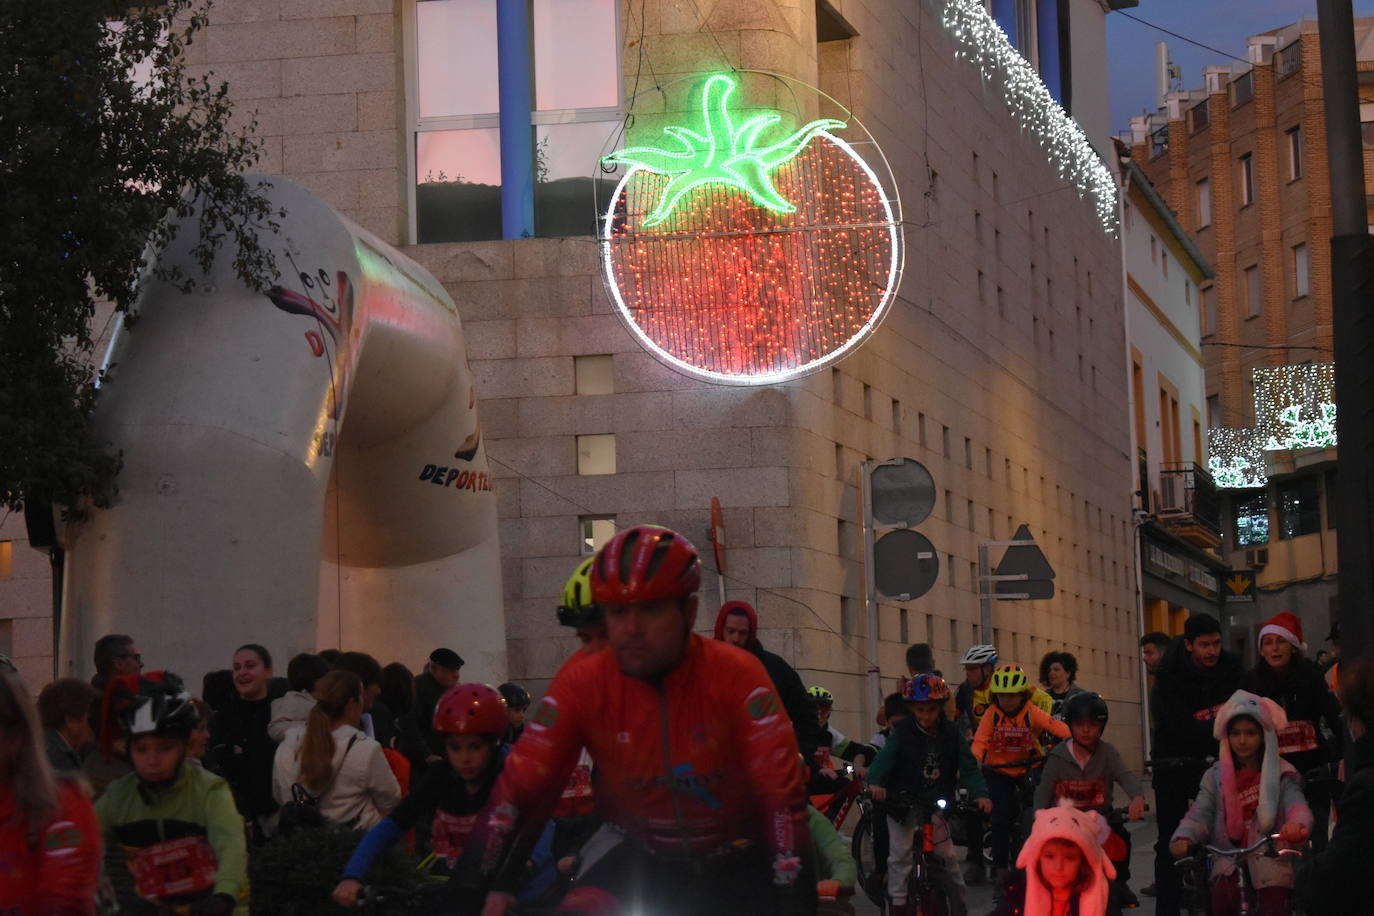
column 862, row 848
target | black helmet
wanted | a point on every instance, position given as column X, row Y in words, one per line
column 161, row 706
column 516, row 697
column 1086, row 705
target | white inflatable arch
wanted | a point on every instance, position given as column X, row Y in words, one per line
column 302, row 468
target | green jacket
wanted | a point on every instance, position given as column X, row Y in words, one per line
column 929, row 766
column 834, row 861
column 195, row 811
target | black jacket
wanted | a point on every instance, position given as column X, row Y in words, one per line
column 242, row 752
column 810, row 734
column 1330, row 883
column 1185, row 701
column 427, row 694
column 1302, row 692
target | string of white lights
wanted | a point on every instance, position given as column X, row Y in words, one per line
column 981, row 40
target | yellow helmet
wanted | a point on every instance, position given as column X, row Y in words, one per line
column 1009, row 679
column 578, row 609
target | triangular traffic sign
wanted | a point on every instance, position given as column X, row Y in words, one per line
column 1027, row 560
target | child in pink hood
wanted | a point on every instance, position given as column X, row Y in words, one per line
column 1066, row 873
column 1249, row 793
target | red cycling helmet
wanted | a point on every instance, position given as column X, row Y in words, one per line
column 645, row 563
column 471, row 709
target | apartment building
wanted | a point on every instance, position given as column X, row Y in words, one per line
column 1242, row 162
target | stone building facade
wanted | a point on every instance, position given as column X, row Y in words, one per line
column 1001, row 365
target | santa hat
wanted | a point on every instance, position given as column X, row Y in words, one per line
column 1287, row 625
column 1271, row 718
column 1086, row 830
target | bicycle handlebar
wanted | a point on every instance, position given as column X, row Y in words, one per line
column 1200, row 850
column 1028, row 762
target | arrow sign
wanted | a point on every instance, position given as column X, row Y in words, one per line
column 1026, row 560
column 1240, row 587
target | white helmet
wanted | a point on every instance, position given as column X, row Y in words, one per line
column 980, row 655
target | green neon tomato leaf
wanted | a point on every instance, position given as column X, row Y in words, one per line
column 718, row 152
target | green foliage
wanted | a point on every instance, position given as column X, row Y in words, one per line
column 295, row 875
column 104, row 134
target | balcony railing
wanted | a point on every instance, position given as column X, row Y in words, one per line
column 1189, row 504
column 1198, row 115
column 1289, row 59
column 1242, row 88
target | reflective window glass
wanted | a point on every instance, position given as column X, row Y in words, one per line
column 456, row 45
column 458, row 187
column 575, row 59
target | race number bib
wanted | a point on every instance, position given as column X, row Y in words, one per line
column 1084, row 793
column 1297, row 737
column 1016, row 738
column 577, row 795
column 450, row 832
column 174, row 868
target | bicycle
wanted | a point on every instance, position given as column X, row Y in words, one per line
column 835, row 805
column 1020, row 818
column 926, row 893
column 1195, row 873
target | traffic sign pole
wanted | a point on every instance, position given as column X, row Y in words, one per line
column 984, row 598
column 875, row 687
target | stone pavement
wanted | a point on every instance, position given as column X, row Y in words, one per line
column 1142, row 873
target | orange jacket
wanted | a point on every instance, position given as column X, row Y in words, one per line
column 1002, row 738
column 729, row 770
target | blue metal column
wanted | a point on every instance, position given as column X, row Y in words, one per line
column 1004, row 14
column 517, row 135
column 1047, row 37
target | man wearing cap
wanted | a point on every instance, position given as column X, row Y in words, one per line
column 1294, row 681
column 441, row 672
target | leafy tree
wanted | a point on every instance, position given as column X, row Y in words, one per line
column 104, row 134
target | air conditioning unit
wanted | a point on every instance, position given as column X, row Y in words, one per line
column 1169, row 498
column 1257, row 557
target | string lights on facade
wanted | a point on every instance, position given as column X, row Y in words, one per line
column 981, row 40
column 747, row 253
column 1295, row 406
column 1236, row 458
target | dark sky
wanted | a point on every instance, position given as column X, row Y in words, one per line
column 1223, row 24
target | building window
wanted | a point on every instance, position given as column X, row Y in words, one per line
column 1252, row 521
column 6, row 560
column 1204, row 203
column 1295, row 154
column 1213, row 411
column 1253, row 302
column 596, row 454
column 456, row 119
column 7, row 638
column 1206, row 310
column 1247, row 180
column 1154, row 250
column 595, row 531
column 1299, row 507
column 1299, row 270
column 594, row 374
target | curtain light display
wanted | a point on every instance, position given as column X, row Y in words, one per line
column 748, row 253
column 1295, row 406
column 980, row 39
column 1236, row 458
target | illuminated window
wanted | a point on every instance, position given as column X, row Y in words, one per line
column 1204, row 203
column 594, row 374
column 1299, row 507
column 1252, row 520
column 1299, row 270
column 596, row 530
column 456, row 120
column 596, row 454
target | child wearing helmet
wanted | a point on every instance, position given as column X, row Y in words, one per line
column 1064, row 869
column 1009, row 735
column 926, row 758
column 472, row 719
column 1084, row 771
column 517, row 704
column 176, row 825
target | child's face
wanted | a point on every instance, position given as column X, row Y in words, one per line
column 156, row 757
column 1247, row 740
column 516, row 715
column 823, row 714
column 1087, row 732
column 1010, row 703
column 468, row 754
column 927, row 713
column 1060, row 861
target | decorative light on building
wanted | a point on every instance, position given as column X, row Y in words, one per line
column 1236, row 458
column 981, row 40
column 746, row 259
column 1295, row 406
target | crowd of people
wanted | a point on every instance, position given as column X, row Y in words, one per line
column 667, row 772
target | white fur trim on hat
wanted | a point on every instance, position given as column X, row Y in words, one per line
column 1287, row 626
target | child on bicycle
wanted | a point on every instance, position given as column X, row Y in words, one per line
column 472, row 718
column 1066, row 872
column 1085, row 770
column 1009, row 737
column 1249, row 793
column 925, row 758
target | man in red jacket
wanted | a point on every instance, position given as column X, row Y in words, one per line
column 695, row 756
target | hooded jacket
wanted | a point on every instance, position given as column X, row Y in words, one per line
column 1217, row 815
column 786, row 681
column 1086, row 830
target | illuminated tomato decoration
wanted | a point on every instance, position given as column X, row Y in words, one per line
column 746, row 258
